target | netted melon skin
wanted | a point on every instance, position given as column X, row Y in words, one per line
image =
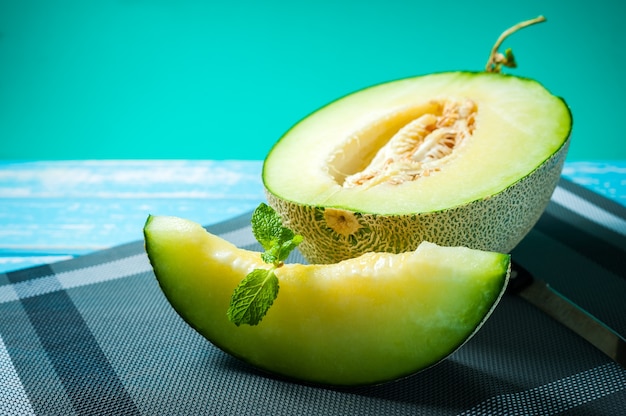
column 497, row 223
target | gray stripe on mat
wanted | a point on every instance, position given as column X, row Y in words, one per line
column 571, row 392
column 89, row 380
column 13, row 397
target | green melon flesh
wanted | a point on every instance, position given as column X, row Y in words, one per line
column 362, row 321
column 488, row 196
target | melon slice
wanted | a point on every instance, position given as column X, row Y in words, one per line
column 458, row 158
column 361, row 321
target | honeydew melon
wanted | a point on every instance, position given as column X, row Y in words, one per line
column 457, row 158
column 367, row 320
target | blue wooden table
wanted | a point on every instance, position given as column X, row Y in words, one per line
column 56, row 210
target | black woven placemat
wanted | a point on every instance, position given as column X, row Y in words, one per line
column 95, row 336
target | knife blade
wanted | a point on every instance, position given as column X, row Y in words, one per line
column 559, row 307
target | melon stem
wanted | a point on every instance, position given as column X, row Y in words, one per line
column 497, row 59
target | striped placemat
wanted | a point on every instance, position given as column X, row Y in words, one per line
column 94, row 335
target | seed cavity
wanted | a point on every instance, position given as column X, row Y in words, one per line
column 418, row 145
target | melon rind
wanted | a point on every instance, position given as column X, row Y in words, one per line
column 496, row 223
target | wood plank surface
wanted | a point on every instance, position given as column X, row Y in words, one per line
column 57, row 210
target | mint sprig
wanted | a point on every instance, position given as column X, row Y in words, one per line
column 256, row 293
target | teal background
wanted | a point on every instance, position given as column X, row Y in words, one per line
column 224, row 80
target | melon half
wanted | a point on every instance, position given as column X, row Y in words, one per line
column 457, row 159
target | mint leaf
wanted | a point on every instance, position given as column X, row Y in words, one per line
column 288, row 246
column 253, row 297
column 268, row 229
column 280, row 250
column 266, row 226
column 270, row 256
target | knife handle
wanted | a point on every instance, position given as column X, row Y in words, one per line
column 567, row 313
